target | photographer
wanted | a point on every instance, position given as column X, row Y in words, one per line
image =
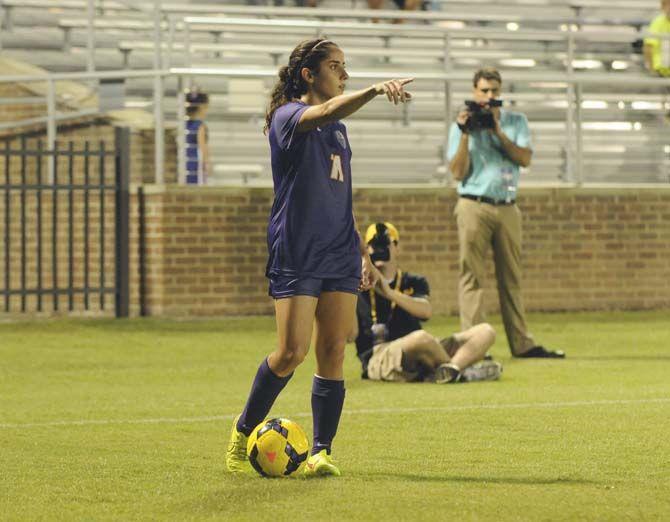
column 487, row 145
column 390, row 342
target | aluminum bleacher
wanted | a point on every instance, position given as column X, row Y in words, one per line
column 623, row 125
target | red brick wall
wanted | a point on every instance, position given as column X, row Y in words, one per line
column 205, row 247
column 584, row 249
column 206, row 251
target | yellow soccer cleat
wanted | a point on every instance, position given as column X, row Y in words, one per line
column 321, row 465
column 236, row 455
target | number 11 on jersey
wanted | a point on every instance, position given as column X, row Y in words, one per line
column 336, row 170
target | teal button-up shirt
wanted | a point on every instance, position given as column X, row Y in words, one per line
column 492, row 174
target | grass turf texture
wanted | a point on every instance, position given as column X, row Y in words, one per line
column 581, row 439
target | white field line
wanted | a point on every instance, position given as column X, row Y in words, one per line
column 365, row 411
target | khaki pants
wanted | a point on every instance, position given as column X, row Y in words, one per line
column 481, row 225
column 386, row 363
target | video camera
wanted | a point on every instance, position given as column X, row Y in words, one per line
column 380, row 244
column 481, row 117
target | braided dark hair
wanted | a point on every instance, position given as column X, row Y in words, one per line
column 309, row 53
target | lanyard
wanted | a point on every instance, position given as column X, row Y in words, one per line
column 373, row 300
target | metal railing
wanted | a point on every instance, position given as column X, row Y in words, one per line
column 174, row 12
column 448, row 75
column 48, row 194
column 574, row 81
column 53, row 116
column 420, row 16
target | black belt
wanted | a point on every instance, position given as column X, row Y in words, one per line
column 489, row 201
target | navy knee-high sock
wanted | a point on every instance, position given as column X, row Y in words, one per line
column 327, row 401
column 264, row 391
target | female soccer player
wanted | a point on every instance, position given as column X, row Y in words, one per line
column 317, row 260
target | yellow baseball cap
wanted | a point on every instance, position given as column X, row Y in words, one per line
column 372, row 231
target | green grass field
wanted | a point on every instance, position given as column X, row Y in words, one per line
column 128, row 420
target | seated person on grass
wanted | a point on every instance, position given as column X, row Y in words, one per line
column 390, row 341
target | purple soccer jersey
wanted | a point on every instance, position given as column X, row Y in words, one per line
column 311, row 231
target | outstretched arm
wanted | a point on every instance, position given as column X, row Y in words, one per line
column 340, row 107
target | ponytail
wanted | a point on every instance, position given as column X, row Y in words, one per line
column 291, row 85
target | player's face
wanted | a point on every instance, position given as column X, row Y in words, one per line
column 332, row 77
column 665, row 7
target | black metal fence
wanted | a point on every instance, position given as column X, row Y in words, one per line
column 84, row 277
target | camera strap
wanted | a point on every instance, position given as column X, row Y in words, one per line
column 373, row 300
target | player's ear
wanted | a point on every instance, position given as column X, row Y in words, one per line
column 307, row 75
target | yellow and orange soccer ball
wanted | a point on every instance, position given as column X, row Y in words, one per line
column 278, row 448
